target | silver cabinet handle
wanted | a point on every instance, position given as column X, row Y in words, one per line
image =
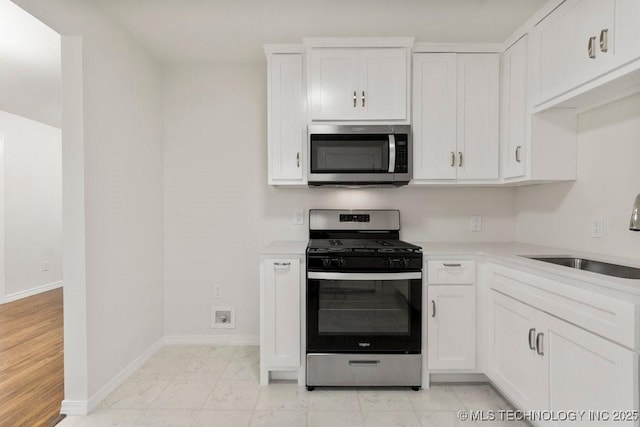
column 539, row 342
column 363, row 99
column 532, row 333
column 281, row 265
column 457, row 264
column 459, row 159
column 355, row 99
column 433, row 306
column 298, row 159
column 518, row 148
column 604, row 40
column 453, row 159
column 591, row 47
column 364, row 362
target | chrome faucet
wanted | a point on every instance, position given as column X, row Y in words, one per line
column 634, row 224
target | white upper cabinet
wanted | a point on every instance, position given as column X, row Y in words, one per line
column 583, row 40
column 627, row 31
column 286, row 119
column 434, row 116
column 513, row 110
column 478, row 98
column 358, row 84
column 455, row 116
column 333, row 78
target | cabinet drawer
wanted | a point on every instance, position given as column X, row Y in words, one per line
column 444, row 272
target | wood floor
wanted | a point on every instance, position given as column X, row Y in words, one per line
column 31, row 360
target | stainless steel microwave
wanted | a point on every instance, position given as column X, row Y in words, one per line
column 354, row 155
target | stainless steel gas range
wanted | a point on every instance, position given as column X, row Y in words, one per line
column 364, row 301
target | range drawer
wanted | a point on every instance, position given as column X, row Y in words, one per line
column 364, row 369
column 451, row 272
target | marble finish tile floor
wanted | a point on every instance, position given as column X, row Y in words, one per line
column 218, row 386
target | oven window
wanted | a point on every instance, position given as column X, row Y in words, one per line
column 364, row 307
column 349, row 153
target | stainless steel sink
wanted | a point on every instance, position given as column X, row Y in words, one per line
column 600, row 267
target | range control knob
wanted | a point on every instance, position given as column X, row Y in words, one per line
column 340, row 262
column 405, row 262
column 326, row 263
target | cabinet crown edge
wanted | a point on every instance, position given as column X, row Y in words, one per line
column 355, row 42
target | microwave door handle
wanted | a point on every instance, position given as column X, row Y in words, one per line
column 392, row 153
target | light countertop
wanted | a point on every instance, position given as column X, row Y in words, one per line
column 508, row 254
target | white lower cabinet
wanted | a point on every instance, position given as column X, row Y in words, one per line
column 451, row 327
column 512, row 361
column 541, row 362
column 280, row 316
column 451, row 315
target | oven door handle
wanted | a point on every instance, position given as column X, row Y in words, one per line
column 363, row 276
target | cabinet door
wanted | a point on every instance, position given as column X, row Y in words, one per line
column 451, row 327
column 563, row 39
column 434, row 115
column 514, row 109
column 626, row 31
column 281, row 310
column 286, row 119
column 587, row 372
column 478, row 132
column 513, row 365
column 382, row 92
column 334, row 84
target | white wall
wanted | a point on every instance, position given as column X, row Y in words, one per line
column 219, row 210
column 112, row 185
column 608, row 182
column 33, row 204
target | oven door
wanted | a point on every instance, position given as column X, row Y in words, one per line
column 364, row 312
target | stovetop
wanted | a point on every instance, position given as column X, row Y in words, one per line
column 387, row 246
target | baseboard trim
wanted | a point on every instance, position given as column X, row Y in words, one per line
column 74, row 407
column 212, row 340
column 30, row 292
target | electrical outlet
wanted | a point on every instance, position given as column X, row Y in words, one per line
column 217, row 291
column 298, row 217
column 223, row 317
column 476, row 223
column 45, row 265
column 597, row 228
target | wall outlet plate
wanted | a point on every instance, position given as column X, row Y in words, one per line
column 597, row 227
column 298, row 217
column 223, row 317
column 476, row 223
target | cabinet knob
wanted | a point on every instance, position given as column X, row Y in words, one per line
column 298, row 159
column 355, row 99
column 363, row 99
column 453, row 159
column 518, row 159
column 433, row 306
column 459, row 159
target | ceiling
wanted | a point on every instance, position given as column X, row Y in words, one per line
column 30, row 68
column 224, row 31
column 234, row 31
